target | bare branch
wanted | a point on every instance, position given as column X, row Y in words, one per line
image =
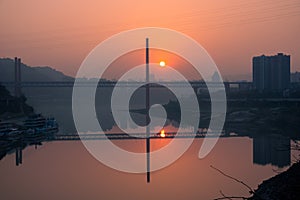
column 295, row 159
column 277, row 171
column 221, row 198
column 251, row 191
column 224, row 196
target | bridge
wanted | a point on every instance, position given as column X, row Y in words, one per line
column 136, row 136
column 197, row 85
column 194, row 84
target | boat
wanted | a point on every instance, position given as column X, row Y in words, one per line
column 5, row 127
column 9, row 130
column 14, row 134
column 39, row 125
column 35, row 121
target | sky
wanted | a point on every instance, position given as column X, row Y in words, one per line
column 61, row 33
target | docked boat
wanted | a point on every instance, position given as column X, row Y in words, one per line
column 39, row 125
column 5, row 127
column 50, row 127
column 9, row 130
column 35, row 121
column 14, row 134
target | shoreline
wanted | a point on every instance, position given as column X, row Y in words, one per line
column 284, row 185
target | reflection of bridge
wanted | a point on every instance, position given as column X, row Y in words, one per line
column 124, row 84
column 135, row 136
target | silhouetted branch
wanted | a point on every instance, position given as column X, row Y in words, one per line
column 295, row 147
column 243, row 198
column 277, row 171
column 251, row 191
column 224, row 196
column 230, row 198
column 295, row 159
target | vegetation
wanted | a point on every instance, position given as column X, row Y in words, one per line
column 12, row 106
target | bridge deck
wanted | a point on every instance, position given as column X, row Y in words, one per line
column 139, row 136
column 122, row 84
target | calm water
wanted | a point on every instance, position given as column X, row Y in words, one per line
column 65, row 170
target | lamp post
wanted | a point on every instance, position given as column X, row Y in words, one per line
column 147, row 109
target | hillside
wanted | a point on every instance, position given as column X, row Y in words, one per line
column 283, row 186
column 30, row 73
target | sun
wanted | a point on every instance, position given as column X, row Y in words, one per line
column 162, row 63
column 162, row 133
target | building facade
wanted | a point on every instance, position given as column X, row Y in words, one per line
column 271, row 73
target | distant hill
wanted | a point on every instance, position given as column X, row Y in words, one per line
column 30, row 73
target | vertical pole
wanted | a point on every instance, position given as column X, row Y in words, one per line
column 147, row 109
column 20, row 156
column 16, row 77
column 19, row 77
column 17, row 156
column 19, row 85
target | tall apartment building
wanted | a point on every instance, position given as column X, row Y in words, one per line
column 271, row 73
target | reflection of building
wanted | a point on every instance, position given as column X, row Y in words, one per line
column 215, row 77
column 271, row 73
column 295, row 77
column 123, row 120
column 272, row 149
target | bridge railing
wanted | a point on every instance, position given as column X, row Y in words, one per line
column 121, row 84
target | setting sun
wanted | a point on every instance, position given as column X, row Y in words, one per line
column 162, row 63
column 162, row 133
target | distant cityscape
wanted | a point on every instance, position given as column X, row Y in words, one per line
column 270, row 75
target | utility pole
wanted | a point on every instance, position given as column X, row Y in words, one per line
column 147, row 110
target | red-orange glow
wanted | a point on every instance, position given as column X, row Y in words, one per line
column 62, row 39
column 162, row 133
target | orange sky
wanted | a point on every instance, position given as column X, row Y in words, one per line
column 61, row 33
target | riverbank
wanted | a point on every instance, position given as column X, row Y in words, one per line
column 249, row 118
column 13, row 108
column 284, row 186
column 19, row 125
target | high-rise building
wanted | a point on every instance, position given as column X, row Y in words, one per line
column 271, row 73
